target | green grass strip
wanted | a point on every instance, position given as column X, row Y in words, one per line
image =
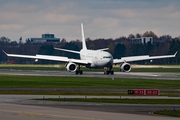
column 175, row 113
column 156, row 70
column 82, row 92
column 129, row 101
column 22, row 81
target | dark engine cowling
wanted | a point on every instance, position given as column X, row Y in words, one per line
column 71, row 67
column 125, row 67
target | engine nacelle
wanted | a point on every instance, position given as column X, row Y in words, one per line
column 125, row 67
column 71, row 67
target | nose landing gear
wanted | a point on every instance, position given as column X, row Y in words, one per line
column 107, row 72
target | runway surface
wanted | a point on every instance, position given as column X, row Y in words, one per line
column 21, row 107
column 145, row 75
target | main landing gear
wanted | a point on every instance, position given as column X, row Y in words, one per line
column 107, row 72
column 79, row 71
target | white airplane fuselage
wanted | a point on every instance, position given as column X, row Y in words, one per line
column 98, row 58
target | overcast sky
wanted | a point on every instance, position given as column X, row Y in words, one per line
column 101, row 18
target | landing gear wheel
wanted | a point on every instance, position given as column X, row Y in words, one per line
column 81, row 72
column 107, row 72
column 110, row 71
column 78, row 71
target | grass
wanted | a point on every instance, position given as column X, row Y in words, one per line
column 80, row 92
column 175, row 113
column 22, row 81
column 63, row 92
column 129, row 101
column 31, row 67
column 155, row 70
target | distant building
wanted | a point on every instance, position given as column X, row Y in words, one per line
column 45, row 38
column 142, row 40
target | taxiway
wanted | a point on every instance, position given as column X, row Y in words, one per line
column 21, row 107
column 145, row 75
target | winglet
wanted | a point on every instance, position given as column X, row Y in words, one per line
column 83, row 38
column 175, row 53
column 4, row 52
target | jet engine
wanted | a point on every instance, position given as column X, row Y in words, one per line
column 71, row 67
column 125, row 67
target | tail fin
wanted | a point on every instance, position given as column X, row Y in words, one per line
column 83, row 39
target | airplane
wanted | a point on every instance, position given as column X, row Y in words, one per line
column 92, row 59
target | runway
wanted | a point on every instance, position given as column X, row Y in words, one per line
column 144, row 75
column 21, row 107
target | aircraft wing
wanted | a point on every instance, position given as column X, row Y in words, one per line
column 103, row 49
column 72, row 51
column 138, row 58
column 49, row 57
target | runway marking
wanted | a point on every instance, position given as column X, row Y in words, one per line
column 21, row 113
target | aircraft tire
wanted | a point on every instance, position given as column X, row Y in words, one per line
column 77, row 72
column 112, row 72
column 107, row 72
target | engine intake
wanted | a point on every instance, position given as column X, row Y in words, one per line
column 71, row 67
column 125, row 67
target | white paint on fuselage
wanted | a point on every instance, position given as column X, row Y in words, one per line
column 99, row 58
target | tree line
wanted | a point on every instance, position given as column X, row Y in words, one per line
column 118, row 47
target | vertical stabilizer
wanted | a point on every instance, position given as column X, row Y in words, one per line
column 83, row 39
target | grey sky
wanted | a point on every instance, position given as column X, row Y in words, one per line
column 101, row 18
